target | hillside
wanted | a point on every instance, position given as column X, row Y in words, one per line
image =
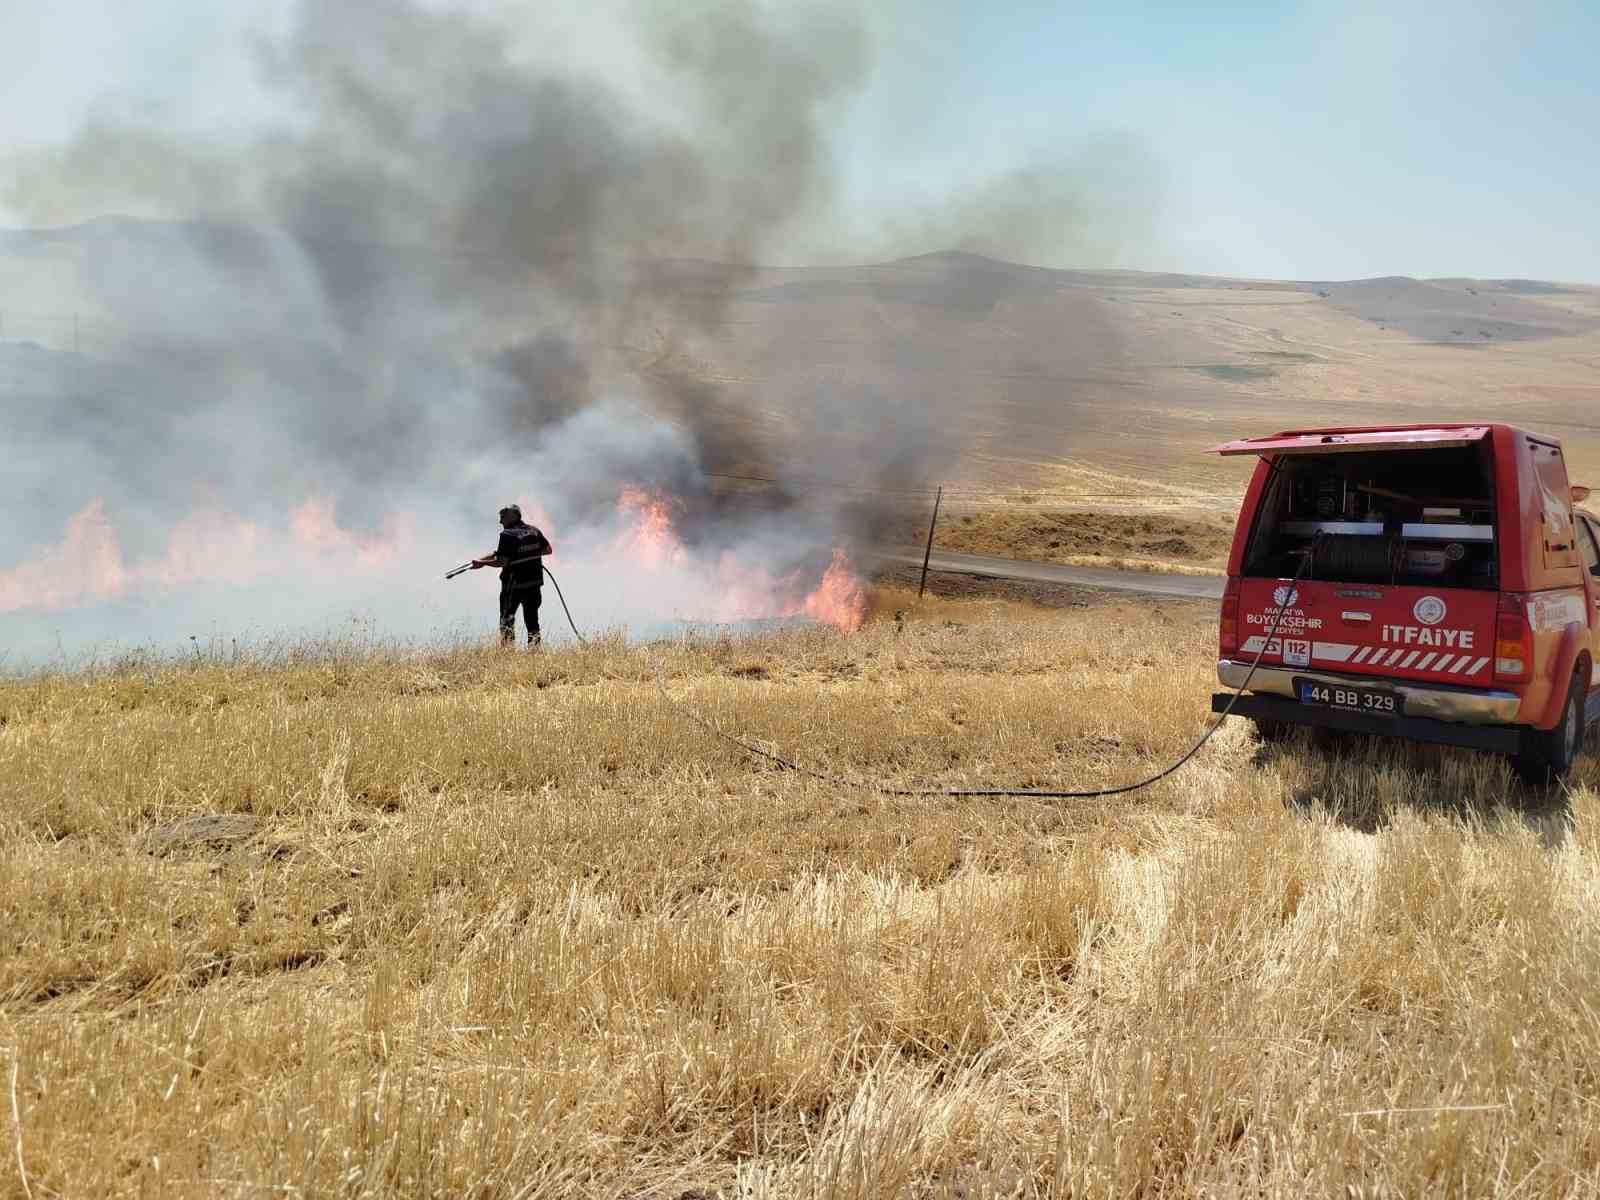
column 513, row 925
column 1100, row 380
column 1104, row 381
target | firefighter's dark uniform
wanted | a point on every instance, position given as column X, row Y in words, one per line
column 521, row 578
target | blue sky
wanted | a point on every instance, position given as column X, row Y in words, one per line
column 1312, row 140
column 1318, row 139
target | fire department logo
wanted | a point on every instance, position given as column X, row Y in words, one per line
column 1285, row 596
column 1429, row 610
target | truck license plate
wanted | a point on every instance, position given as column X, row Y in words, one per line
column 1339, row 695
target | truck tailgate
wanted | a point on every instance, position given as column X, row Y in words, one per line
column 1418, row 633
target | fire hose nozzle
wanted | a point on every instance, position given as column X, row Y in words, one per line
column 463, row 567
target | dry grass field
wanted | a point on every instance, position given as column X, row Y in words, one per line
column 360, row 923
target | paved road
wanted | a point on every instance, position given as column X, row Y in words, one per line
column 1194, row 587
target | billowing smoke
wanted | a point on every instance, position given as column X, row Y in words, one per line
column 459, row 272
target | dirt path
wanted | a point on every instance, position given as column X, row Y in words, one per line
column 1194, row 587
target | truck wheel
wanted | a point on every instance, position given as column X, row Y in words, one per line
column 1548, row 754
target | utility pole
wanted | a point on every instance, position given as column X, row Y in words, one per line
column 928, row 553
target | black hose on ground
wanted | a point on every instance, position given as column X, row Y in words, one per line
column 571, row 624
column 1035, row 793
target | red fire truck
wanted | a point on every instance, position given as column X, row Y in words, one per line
column 1431, row 582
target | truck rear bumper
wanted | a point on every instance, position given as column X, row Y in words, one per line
column 1502, row 739
column 1469, row 706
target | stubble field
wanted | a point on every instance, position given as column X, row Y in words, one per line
column 358, row 923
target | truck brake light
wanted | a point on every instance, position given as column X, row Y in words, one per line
column 1228, row 624
column 1513, row 642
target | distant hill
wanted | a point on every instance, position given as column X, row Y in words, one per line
column 1050, row 377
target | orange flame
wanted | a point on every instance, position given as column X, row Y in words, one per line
column 86, row 567
column 840, row 599
column 651, row 541
column 314, row 528
column 206, row 545
column 744, row 591
column 89, row 566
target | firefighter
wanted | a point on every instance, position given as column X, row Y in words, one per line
column 520, row 557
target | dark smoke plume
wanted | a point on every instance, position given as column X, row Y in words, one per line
column 450, row 220
column 457, row 272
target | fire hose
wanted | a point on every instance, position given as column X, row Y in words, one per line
column 789, row 764
column 548, row 574
column 571, row 624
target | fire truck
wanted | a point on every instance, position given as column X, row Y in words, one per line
column 1429, row 582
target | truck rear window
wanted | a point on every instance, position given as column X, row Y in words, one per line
column 1397, row 517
